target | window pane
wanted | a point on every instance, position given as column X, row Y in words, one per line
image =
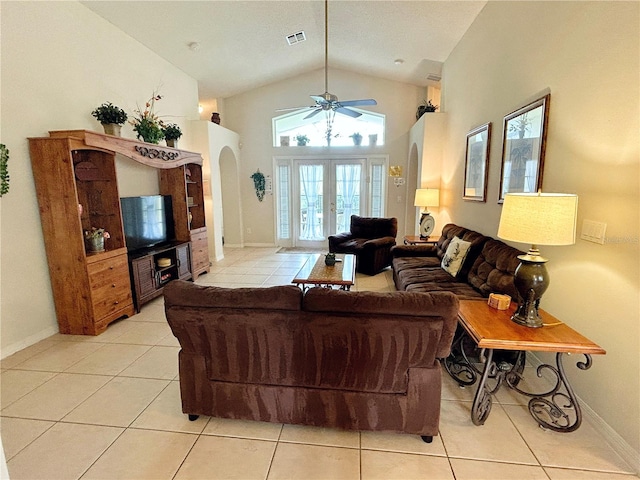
column 347, row 195
column 377, row 190
column 284, row 209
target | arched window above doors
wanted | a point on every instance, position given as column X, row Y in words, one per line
column 338, row 129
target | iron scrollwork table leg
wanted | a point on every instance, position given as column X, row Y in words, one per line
column 553, row 409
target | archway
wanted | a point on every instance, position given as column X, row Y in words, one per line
column 230, row 211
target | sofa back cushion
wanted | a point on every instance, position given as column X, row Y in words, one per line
column 448, row 232
column 373, row 227
column 494, row 268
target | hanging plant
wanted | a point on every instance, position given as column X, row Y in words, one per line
column 259, row 184
column 4, row 171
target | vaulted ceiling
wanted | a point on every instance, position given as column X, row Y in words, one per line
column 233, row 46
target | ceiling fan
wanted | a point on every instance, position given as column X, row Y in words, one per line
column 329, row 102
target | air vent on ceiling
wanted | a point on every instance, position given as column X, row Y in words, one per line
column 434, row 78
column 296, row 38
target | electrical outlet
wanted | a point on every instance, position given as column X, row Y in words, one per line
column 593, row 231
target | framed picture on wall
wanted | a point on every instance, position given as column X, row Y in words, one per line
column 476, row 164
column 523, row 145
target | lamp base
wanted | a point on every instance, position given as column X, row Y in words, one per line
column 427, row 224
column 531, row 280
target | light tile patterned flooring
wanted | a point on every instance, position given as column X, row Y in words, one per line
column 108, row 407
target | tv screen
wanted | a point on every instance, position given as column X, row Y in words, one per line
column 148, row 221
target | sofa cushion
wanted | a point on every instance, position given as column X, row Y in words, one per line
column 386, row 317
column 462, row 290
column 188, row 294
column 455, row 256
column 493, row 270
column 373, row 227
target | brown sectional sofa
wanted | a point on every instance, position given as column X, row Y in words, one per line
column 488, row 267
column 331, row 358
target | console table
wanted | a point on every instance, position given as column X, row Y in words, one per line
column 556, row 409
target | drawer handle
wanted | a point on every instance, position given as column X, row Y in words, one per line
column 116, row 302
column 113, row 285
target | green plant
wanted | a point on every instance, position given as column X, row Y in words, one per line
column 259, row 184
column 171, row 131
column 146, row 123
column 4, row 171
column 302, row 140
column 357, row 138
column 109, row 113
column 96, row 233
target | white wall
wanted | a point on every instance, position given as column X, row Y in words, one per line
column 250, row 115
column 587, row 54
column 59, row 62
column 215, row 141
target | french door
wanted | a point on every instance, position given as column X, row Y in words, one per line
column 325, row 195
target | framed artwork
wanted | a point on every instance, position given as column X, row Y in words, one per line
column 523, row 144
column 476, row 164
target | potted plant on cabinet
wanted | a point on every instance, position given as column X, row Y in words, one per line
column 147, row 124
column 95, row 239
column 172, row 133
column 111, row 117
column 302, row 140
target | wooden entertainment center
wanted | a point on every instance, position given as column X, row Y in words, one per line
column 76, row 185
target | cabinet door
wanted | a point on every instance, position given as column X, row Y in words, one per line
column 144, row 278
column 183, row 257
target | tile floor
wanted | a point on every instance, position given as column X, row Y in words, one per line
column 108, row 407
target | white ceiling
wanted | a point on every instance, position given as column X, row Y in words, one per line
column 242, row 44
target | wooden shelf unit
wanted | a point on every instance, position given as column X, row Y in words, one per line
column 184, row 184
column 77, row 167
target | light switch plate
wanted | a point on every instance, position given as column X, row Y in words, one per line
column 593, row 231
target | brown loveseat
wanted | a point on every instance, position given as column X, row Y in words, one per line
column 370, row 239
column 349, row 360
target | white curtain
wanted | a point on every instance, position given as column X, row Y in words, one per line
column 348, row 188
column 310, row 188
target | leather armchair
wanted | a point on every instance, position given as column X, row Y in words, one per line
column 370, row 239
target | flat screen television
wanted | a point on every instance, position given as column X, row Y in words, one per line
column 148, row 221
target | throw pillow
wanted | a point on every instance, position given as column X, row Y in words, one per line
column 454, row 256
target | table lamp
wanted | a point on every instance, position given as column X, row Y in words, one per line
column 427, row 197
column 537, row 219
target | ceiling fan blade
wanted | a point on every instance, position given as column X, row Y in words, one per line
column 314, row 113
column 320, row 100
column 349, row 112
column 295, row 108
column 355, row 103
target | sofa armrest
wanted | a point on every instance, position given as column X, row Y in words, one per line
column 379, row 242
column 414, row 251
column 339, row 238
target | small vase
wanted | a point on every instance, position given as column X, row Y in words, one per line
column 215, row 118
column 112, row 129
column 284, row 141
column 172, row 143
column 373, row 140
column 330, row 259
column 96, row 244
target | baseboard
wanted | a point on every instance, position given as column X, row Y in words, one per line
column 613, row 438
column 27, row 342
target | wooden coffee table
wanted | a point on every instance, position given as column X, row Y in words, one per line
column 490, row 329
column 315, row 273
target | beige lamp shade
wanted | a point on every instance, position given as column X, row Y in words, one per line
column 539, row 218
column 427, row 197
